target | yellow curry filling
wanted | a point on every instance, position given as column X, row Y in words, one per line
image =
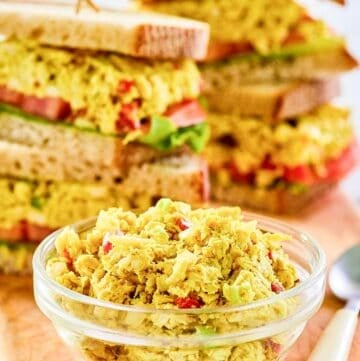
column 309, row 140
column 174, row 257
column 55, row 205
column 266, row 25
column 98, row 86
column 15, row 259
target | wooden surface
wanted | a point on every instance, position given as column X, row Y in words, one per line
column 25, row 334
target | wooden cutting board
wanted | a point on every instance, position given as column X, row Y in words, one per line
column 26, row 335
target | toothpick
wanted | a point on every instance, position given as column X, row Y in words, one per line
column 89, row 3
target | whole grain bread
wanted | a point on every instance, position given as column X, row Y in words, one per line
column 256, row 70
column 276, row 200
column 128, row 32
column 271, row 101
column 56, row 152
column 182, row 177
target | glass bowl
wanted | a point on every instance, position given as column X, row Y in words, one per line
column 262, row 330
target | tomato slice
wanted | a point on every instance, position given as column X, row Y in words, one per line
column 9, row 96
column 221, row 50
column 48, row 108
column 338, row 168
column 17, row 233
column 238, row 176
column 51, row 108
column 36, row 233
column 335, row 169
column 25, row 232
column 303, row 174
column 186, row 113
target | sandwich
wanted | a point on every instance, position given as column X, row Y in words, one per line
column 269, row 75
column 97, row 109
column 273, row 43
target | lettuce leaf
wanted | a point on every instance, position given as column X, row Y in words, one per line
column 290, row 51
column 164, row 135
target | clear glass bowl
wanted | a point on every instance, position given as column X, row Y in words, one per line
column 262, row 330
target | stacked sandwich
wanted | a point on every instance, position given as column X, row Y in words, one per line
column 93, row 116
column 270, row 72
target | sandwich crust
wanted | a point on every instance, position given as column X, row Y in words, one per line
column 276, row 200
column 317, row 66
column 127, row 32
column 272, row 101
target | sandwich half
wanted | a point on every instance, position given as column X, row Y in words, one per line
column 273, row 43
column 96, row 110
column 269, row 70
column 85, row 116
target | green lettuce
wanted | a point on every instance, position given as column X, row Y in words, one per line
column 164, row 135
column 290, row 51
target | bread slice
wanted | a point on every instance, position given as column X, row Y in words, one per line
column 315, row 66
column 276, row 200
column 128, row 32
column 271, row 101
column 34, row 150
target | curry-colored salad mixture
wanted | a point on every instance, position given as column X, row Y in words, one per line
column 250, row 146
column 174, row 257
column 102, row 90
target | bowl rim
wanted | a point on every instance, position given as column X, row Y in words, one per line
column 42, row 251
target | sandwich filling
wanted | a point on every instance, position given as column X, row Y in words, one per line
column 315, row 148
column 16, row 258
column 138, row 100
column 260, row 26
column 32, row 210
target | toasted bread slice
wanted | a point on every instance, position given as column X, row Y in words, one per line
column 276, row 200
column 127, row 32
column 272, row 101
column 55, row 152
